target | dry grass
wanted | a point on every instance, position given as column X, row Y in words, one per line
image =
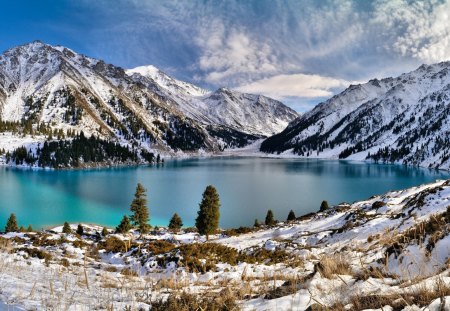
column 5, row 245
column 225, row 300
column 435, row 228
column 331, row 265
column 420, row 295
column 290, row 286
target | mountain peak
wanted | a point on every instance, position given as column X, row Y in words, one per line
column 401, row 120
column 168, row 83
column 143, row 106
column 146, row 71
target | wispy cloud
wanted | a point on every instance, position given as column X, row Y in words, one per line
column 233, row 54
column 419, row 29
column 305, row 49
column 295, row 85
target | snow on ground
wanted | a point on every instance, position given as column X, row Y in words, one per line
column 390, row 247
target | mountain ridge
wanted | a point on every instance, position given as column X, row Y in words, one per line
column 393, row 120
column 67, row 91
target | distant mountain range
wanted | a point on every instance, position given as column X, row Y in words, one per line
column 48, row 88
column 143, row 107
column 401, row 120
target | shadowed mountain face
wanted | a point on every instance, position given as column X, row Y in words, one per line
column 403, row 120
column 43, row 84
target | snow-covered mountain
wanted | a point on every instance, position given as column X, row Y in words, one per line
column 53, row 85
column 403, row 120
column 248, row 113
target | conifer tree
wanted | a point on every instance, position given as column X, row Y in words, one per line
column 175, row 223
column 124, row 225
column 291, row 216
column 270, row 221
column 80, row 229
column 30, row 228
column 66, row 228
column 256, row 224
column 21, row 229
column 140, row 216
column 11, row 224
column 104, row 231
column 207, row 221
column 324, row 206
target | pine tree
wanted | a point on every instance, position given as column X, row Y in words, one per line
column 124, row 225
column 140, row 216
column 291, row 216
column 30, row 228
column 324, row 206
column 11, row 225
column 66, row 228
column 256, row 224
column 175, row 223
column 207, row 221
column 80, row 229
column 270, row 221
column 104, row 231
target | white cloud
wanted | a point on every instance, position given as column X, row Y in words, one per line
column 229, row 53
column 296, row 35
column 261, row 46
column 417, row 29
column 295, row 85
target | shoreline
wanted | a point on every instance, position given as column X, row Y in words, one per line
column 249, row 151
column 215, row 155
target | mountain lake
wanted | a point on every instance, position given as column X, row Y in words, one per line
column 248, row 187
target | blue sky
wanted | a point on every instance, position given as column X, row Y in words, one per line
column 298, row 51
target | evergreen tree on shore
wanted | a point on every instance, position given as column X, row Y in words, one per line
column 11, row 224
column 256, row 224
column 66, row 228
column 124, row 225
column 324, row 206
column 80, row 229
column 270, row 220
column 104, row 231
column 140, row 216
column 175, row 223
column 207, row 221
column 291, row 216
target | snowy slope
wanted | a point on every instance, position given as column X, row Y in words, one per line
column 55, row 86
column 174, row 86
column 389, row 252
column 248, row 113
column 402, row 120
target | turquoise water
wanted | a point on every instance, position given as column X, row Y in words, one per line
column 248, row 187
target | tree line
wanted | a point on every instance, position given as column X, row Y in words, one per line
column 79, row 150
